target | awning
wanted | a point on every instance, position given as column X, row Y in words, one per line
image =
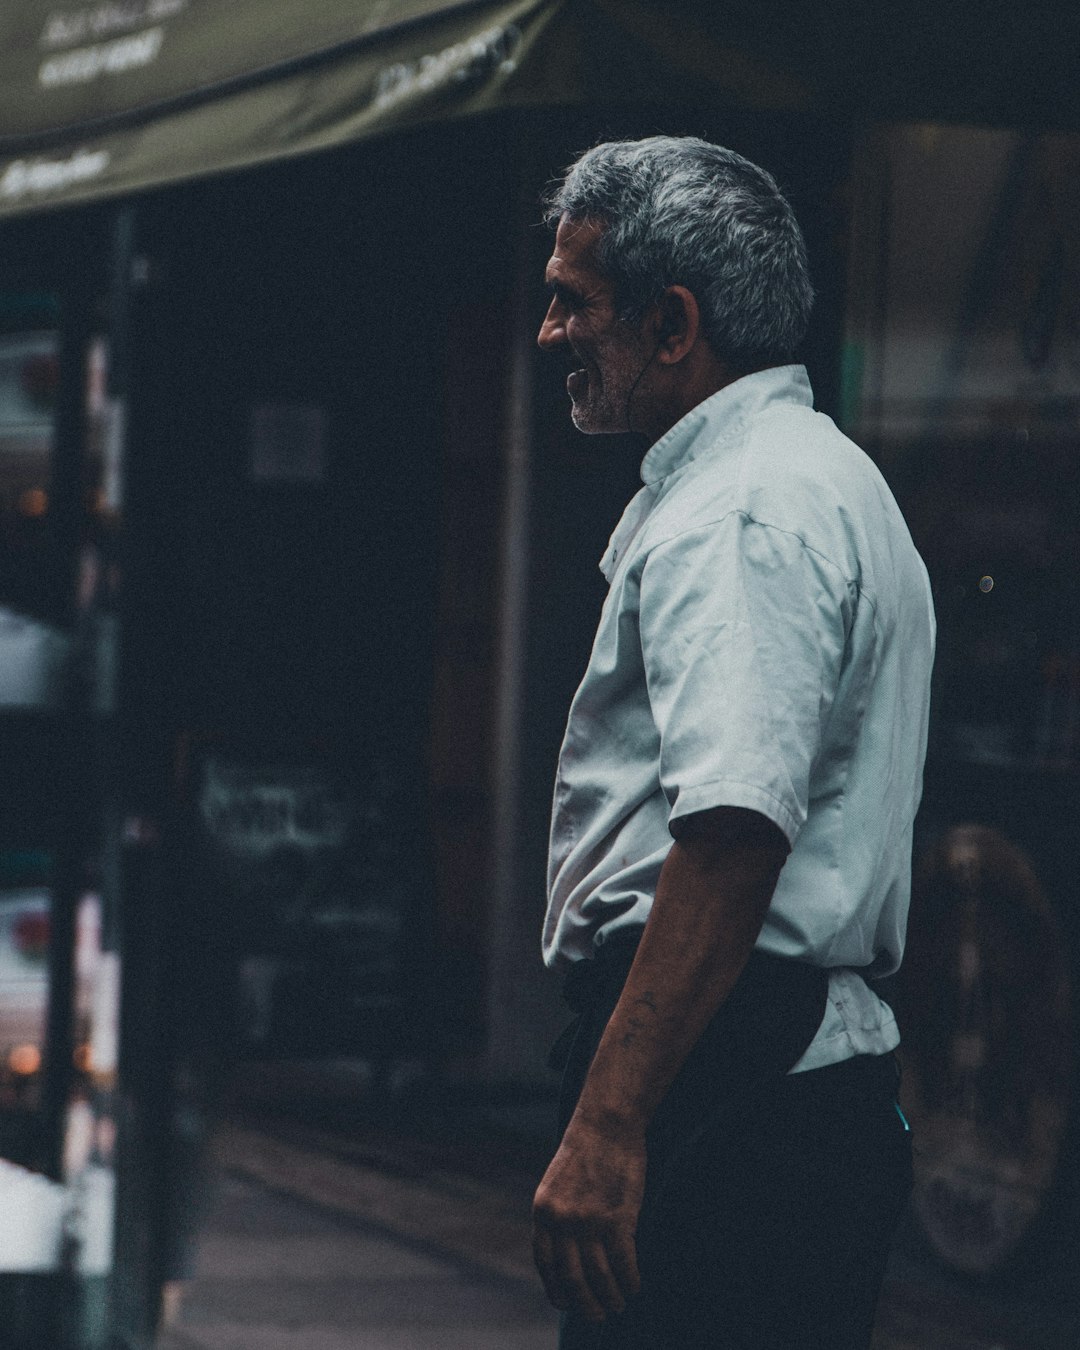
column 114, row 96
column 120, row 95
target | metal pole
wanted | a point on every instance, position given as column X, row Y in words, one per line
column 131, row 830
column 513, row 924
column 71, row 767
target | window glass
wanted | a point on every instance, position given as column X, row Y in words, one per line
column 962, row 377
column 29, row 381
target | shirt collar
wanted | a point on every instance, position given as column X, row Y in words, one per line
column 718, row 419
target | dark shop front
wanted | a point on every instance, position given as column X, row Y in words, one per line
column 298, row 563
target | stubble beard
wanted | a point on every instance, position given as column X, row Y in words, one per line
column 605, row 408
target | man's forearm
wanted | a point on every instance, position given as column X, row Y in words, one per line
column 710, row 903
column 711, row 900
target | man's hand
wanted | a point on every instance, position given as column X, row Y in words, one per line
column 711, row 898
column 584, row 1219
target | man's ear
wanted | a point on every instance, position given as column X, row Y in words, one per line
column 678, row 324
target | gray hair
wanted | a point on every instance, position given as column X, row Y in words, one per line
column 680, row 211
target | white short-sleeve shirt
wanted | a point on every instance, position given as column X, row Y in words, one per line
column 766, row 642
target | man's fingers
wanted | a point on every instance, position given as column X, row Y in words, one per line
column 599, row 1277
column 571, row 1278
column 622, row 1255
column 544, row 1256
column 586, row 1276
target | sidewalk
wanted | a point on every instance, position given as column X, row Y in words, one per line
column 363, row 1238
column 306, row 1251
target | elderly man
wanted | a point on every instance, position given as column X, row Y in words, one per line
column 731, row 838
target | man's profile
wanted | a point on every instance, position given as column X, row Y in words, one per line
column 731, row 833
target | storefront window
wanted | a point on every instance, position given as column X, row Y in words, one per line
column 31, row 652
column 59, row 967
column 29, row 379
column 962, row 378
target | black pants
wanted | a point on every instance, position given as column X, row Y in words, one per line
column 771, row 1198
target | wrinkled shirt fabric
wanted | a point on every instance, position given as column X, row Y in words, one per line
column 766, row 642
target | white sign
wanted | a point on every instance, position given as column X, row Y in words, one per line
column 494, row 50
column 253, row 811
column 85, row 64
column 26, row 176
column 67, row 28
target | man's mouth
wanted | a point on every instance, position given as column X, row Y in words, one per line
column 576, row 382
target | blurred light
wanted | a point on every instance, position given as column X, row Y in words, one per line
column 33, row 502
column 83, row 1057
column 986, row 585
column 24, row 1059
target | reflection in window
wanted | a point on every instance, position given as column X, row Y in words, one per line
column 24, row 996
column 25, row 924
column 29, row 380
column 987, row 1044
column 962, row 377
column 32, row 653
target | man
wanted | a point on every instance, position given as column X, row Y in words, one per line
column 731, row 837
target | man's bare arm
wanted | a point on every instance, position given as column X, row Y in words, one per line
column 711, row 900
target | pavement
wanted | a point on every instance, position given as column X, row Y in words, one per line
column 322, row 1240
column 335, row 1234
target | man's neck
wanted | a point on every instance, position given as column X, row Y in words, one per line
column 689, row 395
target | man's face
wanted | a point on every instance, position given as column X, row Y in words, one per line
column 608, row 355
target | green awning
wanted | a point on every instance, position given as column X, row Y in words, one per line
column 113, row 96
column 120, row 95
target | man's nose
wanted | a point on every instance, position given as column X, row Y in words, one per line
column 553, row 330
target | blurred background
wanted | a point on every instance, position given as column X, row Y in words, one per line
column 298, row 574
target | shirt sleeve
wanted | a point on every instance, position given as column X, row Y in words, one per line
column 743, row 634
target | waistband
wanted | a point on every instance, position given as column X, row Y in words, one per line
column 761, row 1030
column 764, row 977
column 586, row 980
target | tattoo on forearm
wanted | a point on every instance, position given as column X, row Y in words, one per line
column 635, row 1024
